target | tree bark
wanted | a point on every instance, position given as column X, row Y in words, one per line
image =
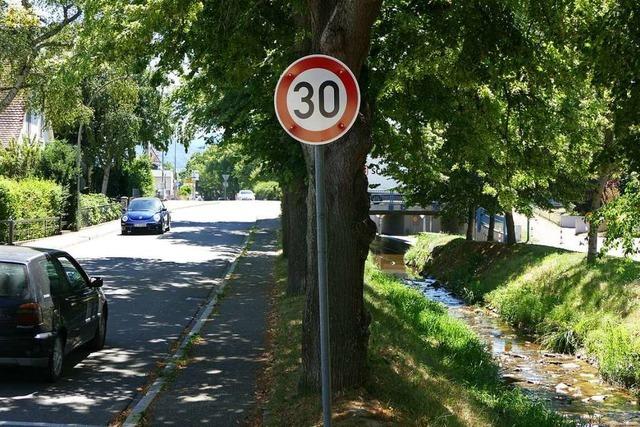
column 105, row 178
column 511, row 228
column 284, row 219
column 18, row 84
column 296, row 230
column 492, row 228
column 470, row 222
column 596, row 203
column 342, row 29
column 90, row 177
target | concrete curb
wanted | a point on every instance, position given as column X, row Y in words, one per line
column 134, row 418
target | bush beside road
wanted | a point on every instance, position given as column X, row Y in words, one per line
column 571, row 306
column 425, row 367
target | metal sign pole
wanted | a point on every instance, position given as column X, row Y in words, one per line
column 323, row 290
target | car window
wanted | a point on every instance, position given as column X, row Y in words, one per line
column 13, row 280
column 48, row 274
column 144, row 205
column 74, row 276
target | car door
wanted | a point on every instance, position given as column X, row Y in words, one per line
column 66, row 306
column 82, row 298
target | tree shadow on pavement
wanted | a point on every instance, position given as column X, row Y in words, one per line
column 151, row 301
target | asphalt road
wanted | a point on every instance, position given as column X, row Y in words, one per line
column 155, row 285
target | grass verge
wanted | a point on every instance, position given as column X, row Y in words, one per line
column 426, row 368
column 570, row 305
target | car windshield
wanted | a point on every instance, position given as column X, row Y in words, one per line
column 13, row 280
column 144, row 205
column 246, row 192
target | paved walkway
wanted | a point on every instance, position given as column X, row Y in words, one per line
column 218, row 385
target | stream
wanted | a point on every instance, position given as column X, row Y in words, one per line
column 566, row 383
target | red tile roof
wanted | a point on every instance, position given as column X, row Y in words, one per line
column 12, row 120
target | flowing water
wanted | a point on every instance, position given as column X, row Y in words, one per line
column 568, row 384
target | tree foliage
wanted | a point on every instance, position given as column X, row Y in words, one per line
column 33, row 34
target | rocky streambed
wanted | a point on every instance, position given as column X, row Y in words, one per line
column 568, row 384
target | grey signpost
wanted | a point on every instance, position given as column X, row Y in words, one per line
column 317, row 100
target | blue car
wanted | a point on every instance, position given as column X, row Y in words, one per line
column 146, row 214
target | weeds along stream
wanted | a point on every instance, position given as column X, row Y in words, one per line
column 566, row 383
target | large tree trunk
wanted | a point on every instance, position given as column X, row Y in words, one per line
column 492, row 228
column 284, row 219
column 105, row 178
column 341, row 28
column 596, row 203
column 90, row 177
column 10, row 94
column 511, row 228
column 470, row 222
column 296, row 232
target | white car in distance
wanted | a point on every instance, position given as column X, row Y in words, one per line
column 245, row 195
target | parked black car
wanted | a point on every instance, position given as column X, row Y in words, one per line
column 146, row 214
column 48, row 308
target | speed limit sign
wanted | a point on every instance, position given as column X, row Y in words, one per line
column 317, row 99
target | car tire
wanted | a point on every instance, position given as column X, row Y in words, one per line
column 124, row 232
column 161, row 228
column 53, row 371
column 97, row 343
column 169, row 226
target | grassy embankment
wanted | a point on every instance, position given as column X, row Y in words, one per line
column 570, row 305
column 426, row 368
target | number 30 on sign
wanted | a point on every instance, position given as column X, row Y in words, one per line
column 317, row 99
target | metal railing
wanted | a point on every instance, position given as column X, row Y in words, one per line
column 15, row 230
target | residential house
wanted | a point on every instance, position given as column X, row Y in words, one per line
column 17, row 122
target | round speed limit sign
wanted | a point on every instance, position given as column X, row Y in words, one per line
column 317, row 99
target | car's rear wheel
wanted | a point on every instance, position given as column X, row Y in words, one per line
column 97, row 343
column 56, row 361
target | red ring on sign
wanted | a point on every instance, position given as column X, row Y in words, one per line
column 346, row 120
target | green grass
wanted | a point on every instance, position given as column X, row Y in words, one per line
column 571, row 305
column 425, row 368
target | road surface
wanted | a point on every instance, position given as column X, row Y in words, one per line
column 155, row 285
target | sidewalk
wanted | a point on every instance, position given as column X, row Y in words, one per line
column 218, row 385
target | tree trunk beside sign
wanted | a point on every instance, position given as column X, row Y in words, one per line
column 341, row 29
column 294, row 228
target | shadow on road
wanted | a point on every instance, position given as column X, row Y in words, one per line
column 150, row 303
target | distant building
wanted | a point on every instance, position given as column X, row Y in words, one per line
column 166, row 189
column 18, row 123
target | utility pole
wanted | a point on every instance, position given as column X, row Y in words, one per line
column 175, row 165
column 162, row 170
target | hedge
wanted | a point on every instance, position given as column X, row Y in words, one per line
column 267, row 190
column 98, row 208
column 30, row 198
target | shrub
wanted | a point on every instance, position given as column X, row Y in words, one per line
column 29, row 198
column 20, row 159
column 58, row 162
column 98, row 208
column 139, row 176
column 185, row 191
column 267, row 190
